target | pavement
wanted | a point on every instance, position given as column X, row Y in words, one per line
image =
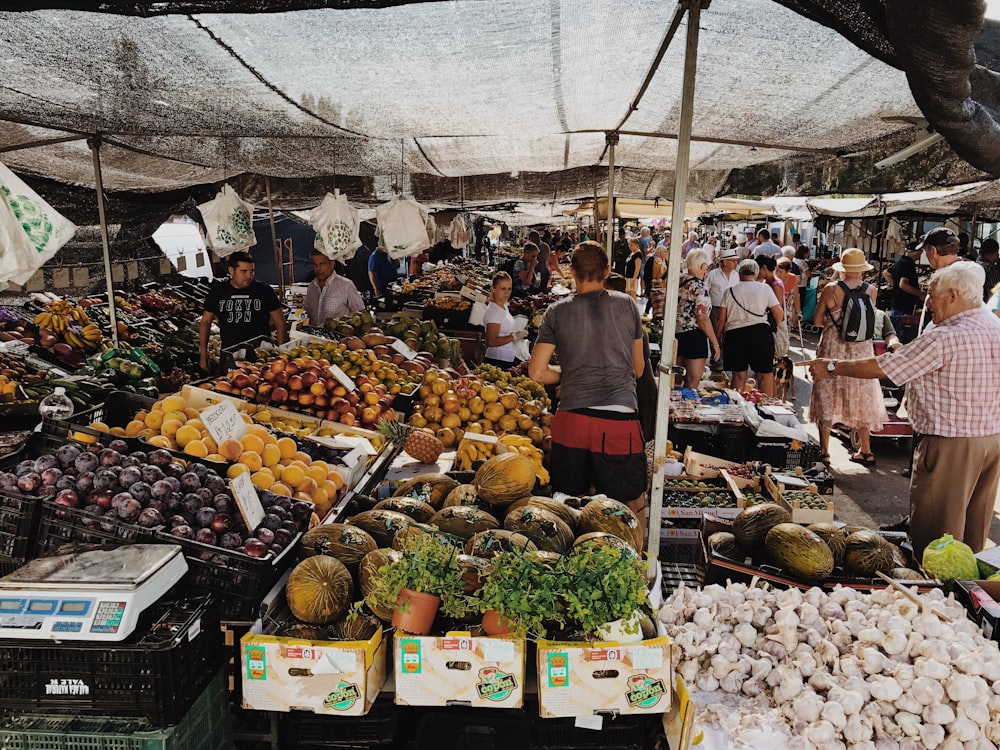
column 863, row 496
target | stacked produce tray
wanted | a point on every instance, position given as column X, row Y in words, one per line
column 206, row 725
column 18, row 526
column 785, row 453
column 617, row 732
column 156, row 673
column 300, row 729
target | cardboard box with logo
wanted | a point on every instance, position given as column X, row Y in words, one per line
column 338, row 678
column 459, row 670
column 579, row 679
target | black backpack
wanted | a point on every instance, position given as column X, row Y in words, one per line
column 857, row 314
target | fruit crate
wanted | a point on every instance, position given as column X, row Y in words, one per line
column 461, row 728
column 155, row 673
column 18, row 527
column 785, row 453
column 301, row 729
column 205, row 727
column 117, row 411
column 617, row 732
column 59, row 526
column 238, row 581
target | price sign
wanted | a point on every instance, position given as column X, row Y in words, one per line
column 594, row 721
column 247, row 500
column 342, row 378
column 402, row 348
column 647, row 658
column 479, row 437
column 223, row 422
column 474, row 294
column 352, row 458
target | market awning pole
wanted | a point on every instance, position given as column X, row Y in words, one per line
column 95, row 148
column 673, row 279
column 279, row 261
column 612, row 139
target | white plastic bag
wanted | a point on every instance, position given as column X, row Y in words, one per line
column 336, row 223
column 458, row 233
column 402, row 226
column 229, row 223
column 477, row 315
column 31, row 231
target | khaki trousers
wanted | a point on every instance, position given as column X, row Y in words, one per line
column 953, row 490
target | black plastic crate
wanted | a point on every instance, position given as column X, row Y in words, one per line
column 785, row 453
column 734, row 443
column 471, row 729
column 18, row 526
column 238, row 581
column 301, row 729
column 59, row 525
column 157, row 672
column 676, row 574
column 117, row 411
column 618, row 732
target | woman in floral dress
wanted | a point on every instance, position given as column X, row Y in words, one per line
column 694, row 330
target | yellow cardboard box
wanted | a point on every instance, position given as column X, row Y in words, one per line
column 340, row 678
column 579, row 679
column 458, row 669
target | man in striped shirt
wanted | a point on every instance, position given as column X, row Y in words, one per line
column 953, row 403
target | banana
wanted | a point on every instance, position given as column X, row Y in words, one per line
column 43, row 320
column 92, row 333
column 73, row 340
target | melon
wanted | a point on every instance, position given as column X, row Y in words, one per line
column 354, row 628
column 505, row 478
column 834, row 537
column 381, row 524
column 368, row 573
column 570, row 516
column 724, row 543
column 750, row 527
column 474, row 569
column 908, row 574
column 347, row 543
column 540, row 525
column 600, row 539
column 799, row 552
column 490, row 543
column 464, row 494
column 416, row 509
column 319, row 590
column 303, row 631
column 463, row 521
column 612, row 517
column 866, row 552
column 431, row 488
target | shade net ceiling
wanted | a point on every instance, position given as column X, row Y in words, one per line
column 512, row 96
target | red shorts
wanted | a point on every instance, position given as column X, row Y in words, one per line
column 594, row 450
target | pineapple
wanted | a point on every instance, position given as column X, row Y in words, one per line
column 417, row 442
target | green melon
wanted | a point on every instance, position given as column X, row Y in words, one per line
column 799, row 552
column 541, row 526
column 724, row 543
column 612, row 517
column 834, row 537
column 907, row 574
column 346, row 542
column 416, row 509
column 866, row 552
column 464, row 521
column 570, row 516
column 383, row 525
column 750, row 527
column 491, row 543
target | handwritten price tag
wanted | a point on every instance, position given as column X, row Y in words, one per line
column 402, row 348
column 474, row 294
column 342, row 378
column 247, row 500
column 223, row 422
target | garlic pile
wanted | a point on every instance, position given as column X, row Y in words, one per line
column 848, row 670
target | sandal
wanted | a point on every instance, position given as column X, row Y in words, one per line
column 824, row 458
column 865, row 459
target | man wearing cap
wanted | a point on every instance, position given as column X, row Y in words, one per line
column 740, row 246
column 949, row 373
column 941, row 248
column 720, row 278
column 902, row 277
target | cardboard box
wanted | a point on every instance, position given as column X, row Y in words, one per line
column 799, row 514
column 580, row 679
column 338, row 678
column 458, row 669
column 982, row 599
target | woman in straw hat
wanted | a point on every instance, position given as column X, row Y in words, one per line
column 851, row 402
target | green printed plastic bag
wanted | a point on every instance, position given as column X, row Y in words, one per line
column 950, row 560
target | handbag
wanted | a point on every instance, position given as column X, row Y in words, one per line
column 770, row 316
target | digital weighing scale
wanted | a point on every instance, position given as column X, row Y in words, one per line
column 88, row 596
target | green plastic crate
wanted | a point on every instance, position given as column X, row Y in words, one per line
column 205, row 727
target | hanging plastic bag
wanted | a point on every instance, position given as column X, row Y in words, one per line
column 402, row 226
column 228, row 222
column 477, row 315
column 336, row 223
column 31, row 231
column 458, row 233
column 949, row 560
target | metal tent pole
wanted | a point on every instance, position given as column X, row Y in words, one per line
column 612, row 139
column 673, row 278
column 95, row 148
column 279, row 260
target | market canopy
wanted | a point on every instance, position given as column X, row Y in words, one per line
column 947, row 202
column 474, row 102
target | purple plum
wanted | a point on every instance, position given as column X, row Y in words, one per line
column 109, row 457
column 129, row 475
column 118, row 445
column 203, row 516
column 231, row 540
column 86, row 462
column 29, row 482
column 67, row 454
column 152, row 473
column 149, row 518
column 46, row 461
column 205, row 536
column 159, row 457
column 141, row 491
column 183, row 532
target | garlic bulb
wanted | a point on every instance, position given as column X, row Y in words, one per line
column 960, row 687
column 939, row 713
column 931, row 735
column 927, row 690
column 834, row 713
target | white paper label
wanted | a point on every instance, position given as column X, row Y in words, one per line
column 462, row 277
column 497, row 649
column 358, row 443
column 402, row 348
column 247, row 500
column 480, row 437
column 474, row 294
column 594, row 721
column 194, row 629
column 342, row 378
column 340, row 660
column 352, row 458
column 223, row 422
column 647, row 658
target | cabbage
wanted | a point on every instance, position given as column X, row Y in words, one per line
column 950, row 560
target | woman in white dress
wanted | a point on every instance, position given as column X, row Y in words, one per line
column 499, row 323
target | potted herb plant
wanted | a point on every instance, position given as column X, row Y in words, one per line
column 605, row 592
column 521, row 594
column 426, row 577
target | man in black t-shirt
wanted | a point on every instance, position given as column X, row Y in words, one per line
column 244, row 308
column 902, row 276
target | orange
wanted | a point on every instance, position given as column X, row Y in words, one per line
column 252, row 443
column 186, row 434
column 173, row 403
column 271, row 455
column 196, row 448
column 262, row 480
column 292, row 475
column 231, row 449
column 336, row 478
column 235, row 470
column 154, row 419
column 287, row 447
column 251, row 460
column 134, row 427
column 303, row 457
column 280, row 488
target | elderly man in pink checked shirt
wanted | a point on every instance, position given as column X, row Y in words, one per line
column 953, row 402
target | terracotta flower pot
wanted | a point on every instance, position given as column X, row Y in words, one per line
column 415, row 611
column 495, row 624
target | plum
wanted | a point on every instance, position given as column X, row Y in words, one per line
column 139, row 456
column 91, row 514
column 205, row 494
column 205, row 536
column 84, row 482
column 192, row 502
column 175, row 469
column 157, row 505
column 190, row 481
column 68, row 498
column 47, row 490
column 204, row 515
column 8, row 480
column 129, row 510
column 159, row 458
column 101, row 498
column 29, row 482
column 231, row 540
column 278, row 501
column 152, row 473
column 283, row 537
column 265, row 535
column 50, row 476
column 118, row 445
column 141, row 492
column 174, row 482
column 200, row 469
column 301, row 511
column 65, row 482
column 129, row 475
column 46, row 461
column 130, row 462
column 161, row 490
column 290, row 526
column 67, row 454
column 177, row 520
column 25, row 467
column 271, row 522
column 120, row 499
column 175, row 502
column 220, row 523
column 149, row 518
column 276, row 549
column 281, row 513
column 105, row 480
column 109, row 457
column 183, row 531
column 86, row 462
column 255, row 548
column 222, row 502
column 215, row 483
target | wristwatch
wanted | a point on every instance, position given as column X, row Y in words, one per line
column 831, row 367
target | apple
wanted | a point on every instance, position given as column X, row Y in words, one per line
column 369, row 415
